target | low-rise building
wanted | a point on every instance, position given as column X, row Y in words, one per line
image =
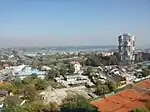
column 23, row 71
column 77, row 66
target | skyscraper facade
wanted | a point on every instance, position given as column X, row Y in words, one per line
column 126, row 48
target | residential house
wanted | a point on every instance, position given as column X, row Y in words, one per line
column 23, row 71
column 77, row 66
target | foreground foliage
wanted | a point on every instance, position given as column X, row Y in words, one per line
column 77, row 104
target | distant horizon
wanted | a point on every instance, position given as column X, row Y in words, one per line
column 72, row 22
column 80, row 46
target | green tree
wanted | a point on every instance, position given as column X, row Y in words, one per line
column 149, row 67
column 12, row 104
column 17, row 86
column 93, row 60
column 51, row 107
column 34, row 76
column 28, row 80
column 89, row 70
column 114, row 60
column 98, row 82
column 71, row 69
column 77, row 104
column 63, row 71
column 30, row 93
column 101, row 89
column 145, row 72
column 33, row 106
column 111, row 86
column 53, row 73
column 40, row 84
column 12, row 109
column 6, row 86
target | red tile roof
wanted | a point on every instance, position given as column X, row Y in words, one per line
column 135, row 104
column 144, row 84
column 121, row 110
column 124, row 101
column 131, row 94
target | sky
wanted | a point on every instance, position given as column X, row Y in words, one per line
column 39, row 23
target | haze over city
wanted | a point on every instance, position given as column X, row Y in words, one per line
column 72, row 22
column 74, row 55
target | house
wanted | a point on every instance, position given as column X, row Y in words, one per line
column 23, row 71
column 77, row 66
column 126, row 100
column 3, row 93
column 46, row 68
column 76, row 79
column 6, row 66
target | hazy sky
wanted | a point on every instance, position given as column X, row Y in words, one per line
column 72, row 22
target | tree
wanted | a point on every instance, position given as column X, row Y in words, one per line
column 40, row 84
column 53, row 73
column 71, row 68
column 111, row 86
column 28, row 80
column 12, row 109
column 116, row 54
column 149, row 67
column 114, row 60
column 63, row 71
column 6, row 86
column 17, row 86
column 146, row 72
column 102, row 89
column 98, row 83
column 34, row 76
column 51, row 107
column 77, row 104
column 30, row 93
column 33, row 106
column 93, row 60
column 12, row 104
column 89, row 70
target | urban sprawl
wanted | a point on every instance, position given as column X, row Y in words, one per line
column 114, row 80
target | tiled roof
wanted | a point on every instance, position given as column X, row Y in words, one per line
column 121, row 110
column 144, row 84
column 124, row 101
column 131, row 94
column 105, row 105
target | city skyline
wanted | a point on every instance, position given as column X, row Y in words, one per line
column 72, row 23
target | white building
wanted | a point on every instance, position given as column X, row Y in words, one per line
column 77, row 66
column 77, row 79
column 126, row 48
column 46, row 68
column 23, row 71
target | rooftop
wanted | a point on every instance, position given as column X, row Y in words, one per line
column 144, row 84
column 124, row 101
